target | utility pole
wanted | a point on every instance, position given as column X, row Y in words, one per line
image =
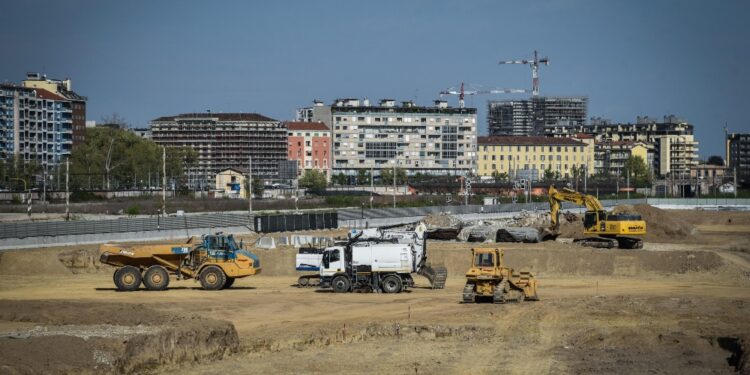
column 163, row 181
column 627, row 170
column 44, row 185
column 249, row 186
column 67, row 189
column 735, row 182
column 372, row 186
column 394, row 184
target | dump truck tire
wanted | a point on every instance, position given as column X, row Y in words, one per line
column 229, row 283
column 341, row 284
column 156, row 278
column 127, row 278
column 391, row 284
column 213, row 278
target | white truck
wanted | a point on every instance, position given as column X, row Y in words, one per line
column 379, row 260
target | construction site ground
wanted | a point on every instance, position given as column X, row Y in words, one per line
column 678, row 306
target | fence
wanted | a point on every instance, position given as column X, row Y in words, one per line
column 291, row 222
column 59, row 228
column 356, row 214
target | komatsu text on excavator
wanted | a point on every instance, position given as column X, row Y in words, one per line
column 611, row 230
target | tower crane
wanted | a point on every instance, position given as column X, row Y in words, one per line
column 534, row 64
column 462, row 93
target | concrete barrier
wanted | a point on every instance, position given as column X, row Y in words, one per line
column 83, row 239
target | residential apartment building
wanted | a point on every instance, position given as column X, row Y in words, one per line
column 530, row 156
column 535, row 115
column 738, row 156
column 309, row 143
column 319, row 112
column 610, row 156
column 63, row 88
column 226, row 140
column 675, row 148
column 35, row 125
column 436, row 140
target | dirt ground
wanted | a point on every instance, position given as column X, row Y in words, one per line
column 673, row 307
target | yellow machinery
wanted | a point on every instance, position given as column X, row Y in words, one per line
column 217, row 261
column 611, row 230
column 488, row 277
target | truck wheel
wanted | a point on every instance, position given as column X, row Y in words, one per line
column 156, row 278
column 391, row 284
column 341, row 284
column 128, row 278
column 229, row 283
column 212, row 278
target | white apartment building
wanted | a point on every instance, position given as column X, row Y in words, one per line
column 436, row 140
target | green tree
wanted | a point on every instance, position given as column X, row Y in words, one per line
column 363, row 177
column 549, row 175
column 386, row 176
column 313, row 180
column 636, row 167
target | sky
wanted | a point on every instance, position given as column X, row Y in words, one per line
column 145, row 59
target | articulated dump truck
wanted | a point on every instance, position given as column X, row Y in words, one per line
column 216, row 262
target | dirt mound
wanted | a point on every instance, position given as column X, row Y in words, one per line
column 441, row 220
column 624, row 209
column 86, row 337
column 665, row 226
column 661, row 225
column 31, row 262
column 84, row 261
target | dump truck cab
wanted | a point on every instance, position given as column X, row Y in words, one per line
column 488, row 277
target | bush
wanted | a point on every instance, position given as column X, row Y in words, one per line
column 16, row 199
column 84, row 196
column 134, row 210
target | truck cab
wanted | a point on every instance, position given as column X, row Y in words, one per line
column 333, row 261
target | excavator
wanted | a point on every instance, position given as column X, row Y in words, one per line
column 610, row 229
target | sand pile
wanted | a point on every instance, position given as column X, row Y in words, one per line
column 31, row 262
column 664, row 226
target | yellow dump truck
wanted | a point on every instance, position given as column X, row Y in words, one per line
column 216, row 261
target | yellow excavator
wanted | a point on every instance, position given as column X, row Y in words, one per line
column 610, row 229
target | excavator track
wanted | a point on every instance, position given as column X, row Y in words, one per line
column 436, row 275
column 598, row 242
column 629, row 243
column 500, row 294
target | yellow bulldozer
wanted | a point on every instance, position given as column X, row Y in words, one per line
column 216, row 261
column 610, row 230
column 488, row 278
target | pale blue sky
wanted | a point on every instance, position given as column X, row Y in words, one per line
column 144, row 59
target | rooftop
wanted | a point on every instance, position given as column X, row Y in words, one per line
column 527, row 141
column 217, row 117
column 300, row 125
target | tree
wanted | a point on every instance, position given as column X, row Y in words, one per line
column 636, row 167
column 715, row 160
column 313, row 180
column 386, row 176
column 549, row 175
column 363, row 177
column 339, row 179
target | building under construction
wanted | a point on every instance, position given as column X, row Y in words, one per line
column 226, row 140
column 535, row 116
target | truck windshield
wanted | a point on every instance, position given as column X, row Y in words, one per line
column 483, row 260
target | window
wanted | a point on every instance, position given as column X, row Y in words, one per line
column 484, row 260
